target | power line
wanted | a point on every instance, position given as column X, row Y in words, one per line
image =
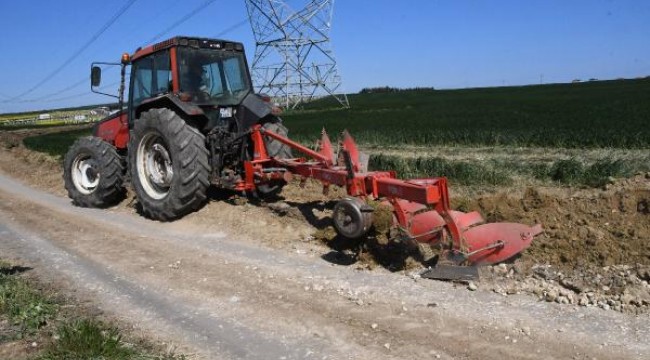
column 46, row 98
column 232, row 27
column 76, row 84
column 92, row 39
column 67, row 88
column 159, row 35
column 181, row 20
column 67, row 97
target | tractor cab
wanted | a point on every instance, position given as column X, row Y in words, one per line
column 201, row 71
column 204, row 79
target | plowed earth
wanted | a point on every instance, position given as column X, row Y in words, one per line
column 596, row 242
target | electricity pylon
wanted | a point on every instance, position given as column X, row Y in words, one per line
column 293, row 60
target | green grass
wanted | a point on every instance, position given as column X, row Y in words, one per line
column 32, row 314
column 461, row 172
column 55, row 144
column 39, row 125
column 601, row 114
column 91, row 339
column 31, row 126
column 505, row 172
column 27, row 309
column 87, row 339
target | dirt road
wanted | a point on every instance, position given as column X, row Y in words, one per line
column 220, row 295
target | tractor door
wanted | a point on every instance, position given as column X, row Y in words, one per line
column 151, row 76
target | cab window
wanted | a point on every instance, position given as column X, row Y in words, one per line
column 150, row 76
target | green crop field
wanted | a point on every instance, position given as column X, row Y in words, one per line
column 571, row 134
column 599, row 114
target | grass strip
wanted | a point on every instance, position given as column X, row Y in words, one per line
column 55, row 144
column 34, row 315
column 500, row 173
column 27, row 309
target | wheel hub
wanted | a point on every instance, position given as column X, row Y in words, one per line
column 159, row 166
column 84, row 174
column 352, row 218
column 154, row 165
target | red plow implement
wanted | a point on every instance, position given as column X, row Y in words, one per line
column 420, row 207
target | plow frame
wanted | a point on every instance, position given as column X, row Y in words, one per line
column 430, row 192
column 420, row 207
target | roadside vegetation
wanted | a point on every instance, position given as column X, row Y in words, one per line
column 55, row 144
column 581, row 134
column 501, row 172
column 35, row 325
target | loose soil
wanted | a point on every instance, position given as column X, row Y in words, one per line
column 587, row 232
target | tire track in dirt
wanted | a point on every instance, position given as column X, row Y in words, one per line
column 217, row 337
column 301, row 300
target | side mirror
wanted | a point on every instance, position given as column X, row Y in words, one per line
column 95, row 76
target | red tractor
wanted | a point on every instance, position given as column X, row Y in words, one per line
column 187, row 123
column 192, row 120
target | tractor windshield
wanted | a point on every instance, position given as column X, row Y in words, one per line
column 213, row 76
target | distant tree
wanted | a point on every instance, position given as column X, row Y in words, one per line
column 388, row 89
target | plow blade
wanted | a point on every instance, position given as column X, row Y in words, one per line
column 496, row 242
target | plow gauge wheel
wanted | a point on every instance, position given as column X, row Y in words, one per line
column 352, row 218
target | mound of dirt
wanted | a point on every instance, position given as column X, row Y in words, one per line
column 592, row 228
column 595, row 250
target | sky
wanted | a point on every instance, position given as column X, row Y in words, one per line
column 48, row 46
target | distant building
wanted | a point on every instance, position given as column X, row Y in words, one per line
column 44, row 117
column 102, row 110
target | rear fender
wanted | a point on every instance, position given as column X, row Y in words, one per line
column 114, row 130
column 169, row 101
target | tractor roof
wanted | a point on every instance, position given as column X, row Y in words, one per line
column 194, row 42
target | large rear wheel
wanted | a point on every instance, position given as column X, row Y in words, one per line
column 93, row 173
column 168, row 161
column 277, row 150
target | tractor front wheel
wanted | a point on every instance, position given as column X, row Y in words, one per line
column 168, row 161
column 93, row 173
